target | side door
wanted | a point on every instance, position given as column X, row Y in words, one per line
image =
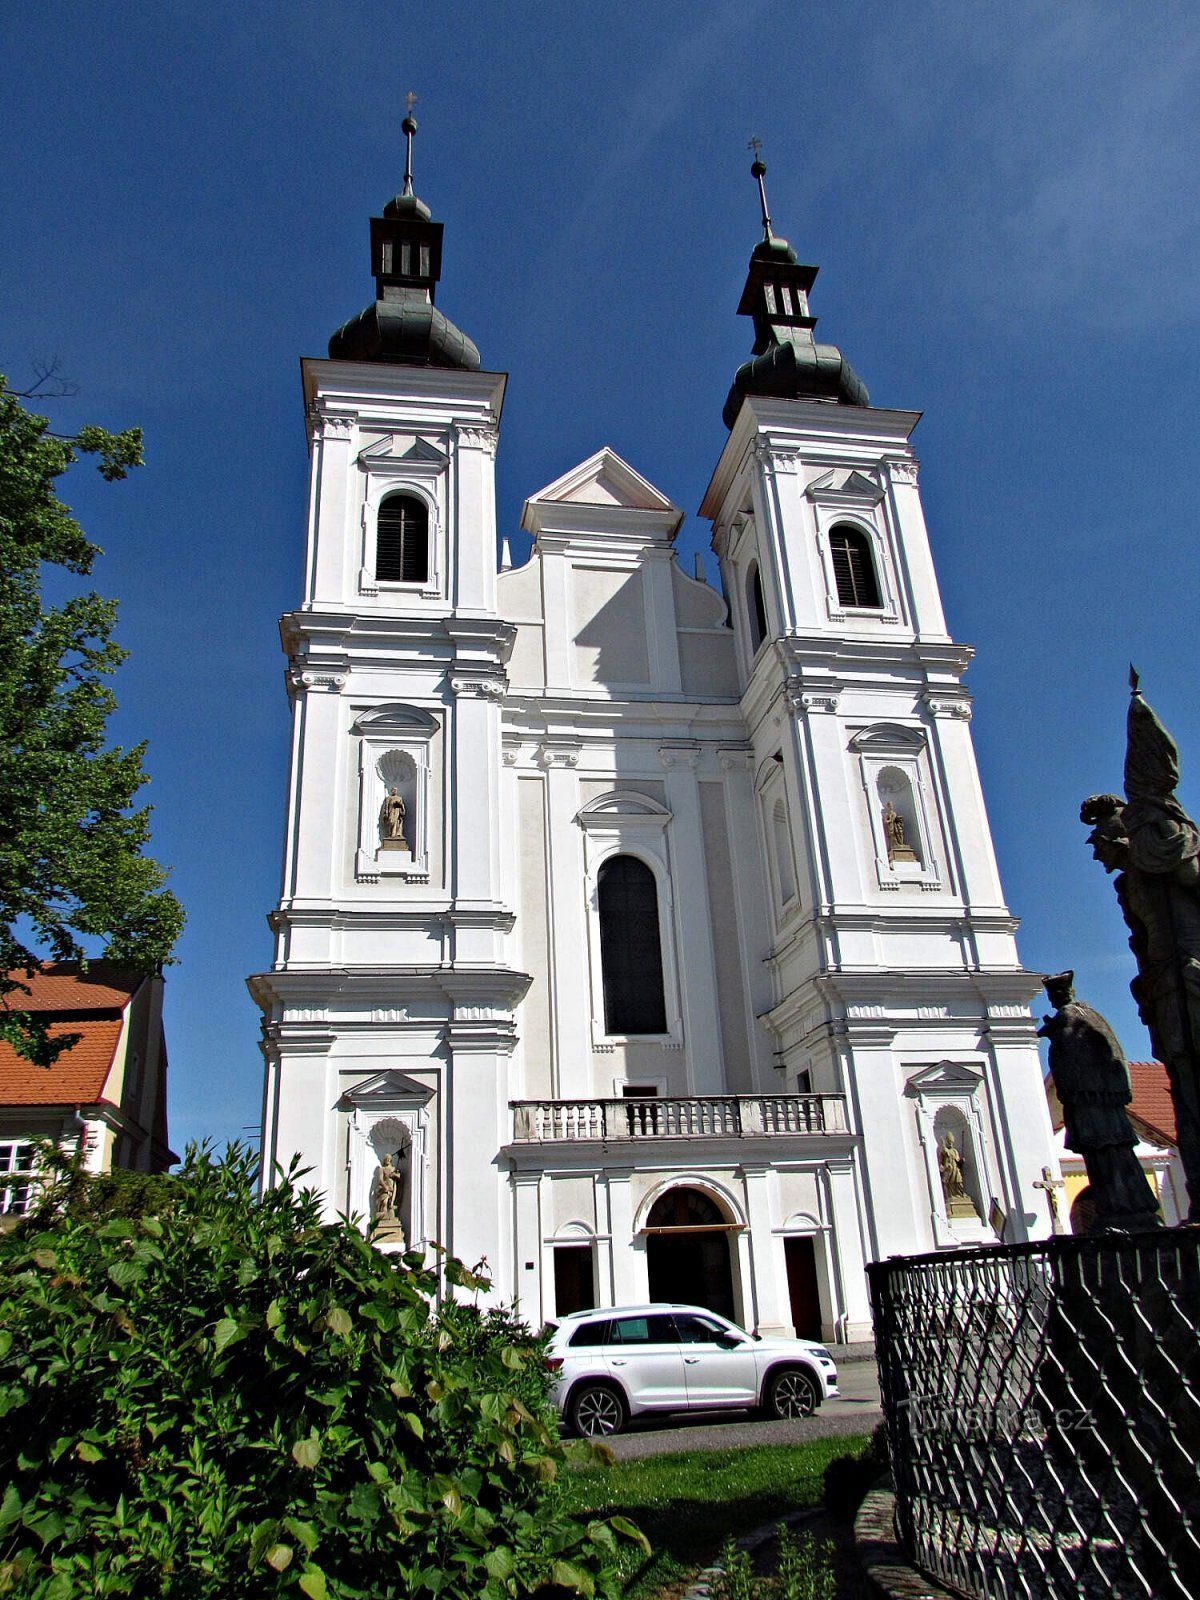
column 644, row 1357
column 719, row 1362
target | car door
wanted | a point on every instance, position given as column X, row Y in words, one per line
column 644, row 1357
column 719, row 1365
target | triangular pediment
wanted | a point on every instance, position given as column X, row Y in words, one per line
column 846, row 485
column 944, row 1077
column 393, row 448
column 385, row 1088
column 605, row 480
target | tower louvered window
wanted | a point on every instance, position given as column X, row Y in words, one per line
column 853, row 568
column 402, row 541
column 757, row 609
column 630, row 950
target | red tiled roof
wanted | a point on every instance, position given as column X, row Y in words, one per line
column 76, row 1078
column 60, row 986
column 1152, row 1108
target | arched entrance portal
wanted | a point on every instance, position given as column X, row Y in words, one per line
column 687, row 1251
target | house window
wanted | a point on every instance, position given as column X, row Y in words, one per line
column 854, row 568
column 16, row 1177
column 782, row 841
column 756, row 607
column 630, row 948
column 402, row 540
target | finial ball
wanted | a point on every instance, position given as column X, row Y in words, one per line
column 409, row 125
column 759, row 169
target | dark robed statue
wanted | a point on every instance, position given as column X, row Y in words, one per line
column 1153, row 846
column 1091, row 1078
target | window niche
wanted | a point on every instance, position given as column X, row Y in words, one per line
column 395, row 758
column 949, row 1099
column 630, row 919
column 891, row 767
column 401, row 523
column 777, row 832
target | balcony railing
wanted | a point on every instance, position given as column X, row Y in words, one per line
column 698, row 1117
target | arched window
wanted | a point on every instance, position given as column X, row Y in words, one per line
column 756, row 608
column 782, row 841
column 630, row 949
column 685, row 1208
column 854, row 568
column 402, row 540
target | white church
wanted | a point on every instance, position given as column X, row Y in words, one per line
column 654, row 932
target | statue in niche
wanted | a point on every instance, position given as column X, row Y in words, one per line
column 387, row 1194
column 951, row 1171
column 898, row 848
column 1153, row 846
column 391, row 820
column 1092, row 1082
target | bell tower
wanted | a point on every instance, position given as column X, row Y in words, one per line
column 895, row 970
column 388, row 1010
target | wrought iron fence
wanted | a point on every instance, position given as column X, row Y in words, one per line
column 1043, row 1411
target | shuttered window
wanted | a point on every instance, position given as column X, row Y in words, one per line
column 853, row 568
column 630, row 949
column 402, row 541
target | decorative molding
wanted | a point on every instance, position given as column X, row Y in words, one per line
column 391, row 719
column 558, row 755
column 481, row 686
column 328, row 682
column 485, row 439
column 389, row 1014
column 904, row 471
column 735, row 760
column 800, row 699
column 948, row 704
column 621, row 808
column 679, row 755
column 888, row 738
column 776, row 458
column 845, row 486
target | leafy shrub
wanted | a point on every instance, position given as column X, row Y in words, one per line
column 226, row 1396
column 849, row 1478
column 803, row 1571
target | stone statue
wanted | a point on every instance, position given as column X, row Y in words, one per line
column 387, row 1182
column 893, row 828
column 391, row 818
column 1092, row 1082
column 1153, row 846
column 950, row 1169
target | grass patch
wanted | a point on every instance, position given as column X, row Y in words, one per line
column 688, row 1504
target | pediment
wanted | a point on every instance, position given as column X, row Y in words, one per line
column 888, row 739
column 943, row 1077
column 396, row 719
column 396, row 448
column 623, row 806
column 849, row 485
column 605, row 480
column 385, row 1089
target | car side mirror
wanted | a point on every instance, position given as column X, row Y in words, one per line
column 728, row 1341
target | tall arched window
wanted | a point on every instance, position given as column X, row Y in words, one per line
column 630, row 948
column 756, row 608
column 402, row 540
column 782, row 842
column 854, row 568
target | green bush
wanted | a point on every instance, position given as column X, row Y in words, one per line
column 225, row 1396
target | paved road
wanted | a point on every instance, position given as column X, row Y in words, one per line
column 855, row 1411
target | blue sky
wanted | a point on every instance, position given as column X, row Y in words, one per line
column 1003, row 203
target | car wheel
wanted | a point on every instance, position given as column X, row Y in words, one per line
column 597, row 1411
column 792, row 1393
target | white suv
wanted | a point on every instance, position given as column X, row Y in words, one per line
column 623, row 1361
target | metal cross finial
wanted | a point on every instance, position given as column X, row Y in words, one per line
column 409, row 127
column 759, row 171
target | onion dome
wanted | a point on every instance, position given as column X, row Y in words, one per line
column 404, row 326
column 787, row 362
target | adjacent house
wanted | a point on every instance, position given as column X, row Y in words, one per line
column 106, row 1093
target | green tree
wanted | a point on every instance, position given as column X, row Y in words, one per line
column 218, row 1395
column 71, row 862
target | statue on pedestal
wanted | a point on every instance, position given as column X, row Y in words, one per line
column 950, row 1169
column 898, row 848
column 1153, row 846
column 386, row 1194
column 391, row 820
column 1092, row 1081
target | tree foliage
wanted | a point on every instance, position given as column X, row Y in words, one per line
column 72, row 867
column 225, row 1396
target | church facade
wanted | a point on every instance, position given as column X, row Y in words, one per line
column 654, row 933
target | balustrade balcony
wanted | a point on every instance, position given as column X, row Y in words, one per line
column 752, row 1116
